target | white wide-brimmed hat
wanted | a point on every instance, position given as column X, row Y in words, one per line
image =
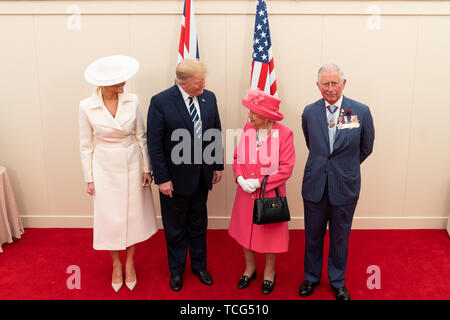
column 111, row 70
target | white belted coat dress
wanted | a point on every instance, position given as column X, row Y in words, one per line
column 114, row 156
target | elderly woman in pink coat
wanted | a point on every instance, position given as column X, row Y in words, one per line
column 116, row 166
column 266, row 147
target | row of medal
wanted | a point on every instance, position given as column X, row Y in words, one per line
column 345, row 122
column 348, row 122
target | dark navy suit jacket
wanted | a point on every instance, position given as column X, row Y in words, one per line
column 342, row 167
column 168, row 112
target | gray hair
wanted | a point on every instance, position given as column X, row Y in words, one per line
column 330, row 66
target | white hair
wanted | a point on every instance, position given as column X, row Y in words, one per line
column 330, row 66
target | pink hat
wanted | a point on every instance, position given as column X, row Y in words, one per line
column 263, row 104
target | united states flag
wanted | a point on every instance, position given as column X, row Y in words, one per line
column 188, row 47
column 263, row 70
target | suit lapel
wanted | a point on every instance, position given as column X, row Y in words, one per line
column 124, row 111
column 323, row 123
column 108, row 120
column 102, row 116
column 202, row 102
column 180, row 106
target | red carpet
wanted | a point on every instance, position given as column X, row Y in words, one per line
column 414, row 264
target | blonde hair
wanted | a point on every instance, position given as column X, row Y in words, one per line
column 189, row 68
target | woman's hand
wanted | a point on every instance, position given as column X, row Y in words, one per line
column 254, row 183
column 247, row 185
column 90, row 189
column 147, row 179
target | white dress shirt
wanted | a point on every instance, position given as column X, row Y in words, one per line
column 186, row 101
column 335, row 115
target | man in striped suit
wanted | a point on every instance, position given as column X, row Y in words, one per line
column 339, row 134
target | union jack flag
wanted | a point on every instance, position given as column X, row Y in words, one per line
column 188, row 47
column 263, row 70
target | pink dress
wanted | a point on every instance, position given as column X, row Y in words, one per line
column 275, row 157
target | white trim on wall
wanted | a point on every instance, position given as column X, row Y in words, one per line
column 286, row 7
column 47, row 221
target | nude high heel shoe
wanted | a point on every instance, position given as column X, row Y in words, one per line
column 131, row 284
column 117, row 286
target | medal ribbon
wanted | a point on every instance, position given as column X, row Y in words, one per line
column 334, row 110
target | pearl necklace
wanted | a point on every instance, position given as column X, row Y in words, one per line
column 260, row 139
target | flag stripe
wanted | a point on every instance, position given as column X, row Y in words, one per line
column 187, row 24
column 271, row 65
column 188, row 47
column 181, row 46
column 263, row 67
column 255, row 74
column 273, row 88
column 263, row 76
column 251, row 78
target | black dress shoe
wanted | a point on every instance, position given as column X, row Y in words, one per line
column 307, row 288
column 205, row 277
column 268, row 286
column 341, row 293
column 176, row 283
column 244, row 282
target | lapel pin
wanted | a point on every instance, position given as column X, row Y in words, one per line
column 203, row 100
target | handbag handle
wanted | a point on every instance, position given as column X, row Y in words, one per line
column 263, row 188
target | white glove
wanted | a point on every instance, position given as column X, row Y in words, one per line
column 248, row 185
column 254, row 183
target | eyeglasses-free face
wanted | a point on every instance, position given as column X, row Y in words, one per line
column 116, row 88
column 194, row 85
column 331, row 86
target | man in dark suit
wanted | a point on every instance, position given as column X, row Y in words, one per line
column 339, row 134
column 180, row 121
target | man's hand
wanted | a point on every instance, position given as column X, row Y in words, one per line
column 166, row 188
column 217, row 176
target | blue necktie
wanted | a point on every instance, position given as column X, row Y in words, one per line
column 332, row 130
column 195, row 118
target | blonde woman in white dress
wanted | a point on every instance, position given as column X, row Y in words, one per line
column 116, row 165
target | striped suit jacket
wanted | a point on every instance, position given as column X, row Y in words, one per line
column 342, row 167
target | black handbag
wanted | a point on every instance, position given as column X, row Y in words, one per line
column 270, row 210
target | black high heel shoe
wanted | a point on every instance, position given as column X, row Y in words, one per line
column 268, row 286
column 244, row 282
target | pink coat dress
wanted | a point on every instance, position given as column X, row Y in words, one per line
column 275, row 157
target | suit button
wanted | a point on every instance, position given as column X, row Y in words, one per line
column 325, row 171
column 253, row 197
column 252, row 173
